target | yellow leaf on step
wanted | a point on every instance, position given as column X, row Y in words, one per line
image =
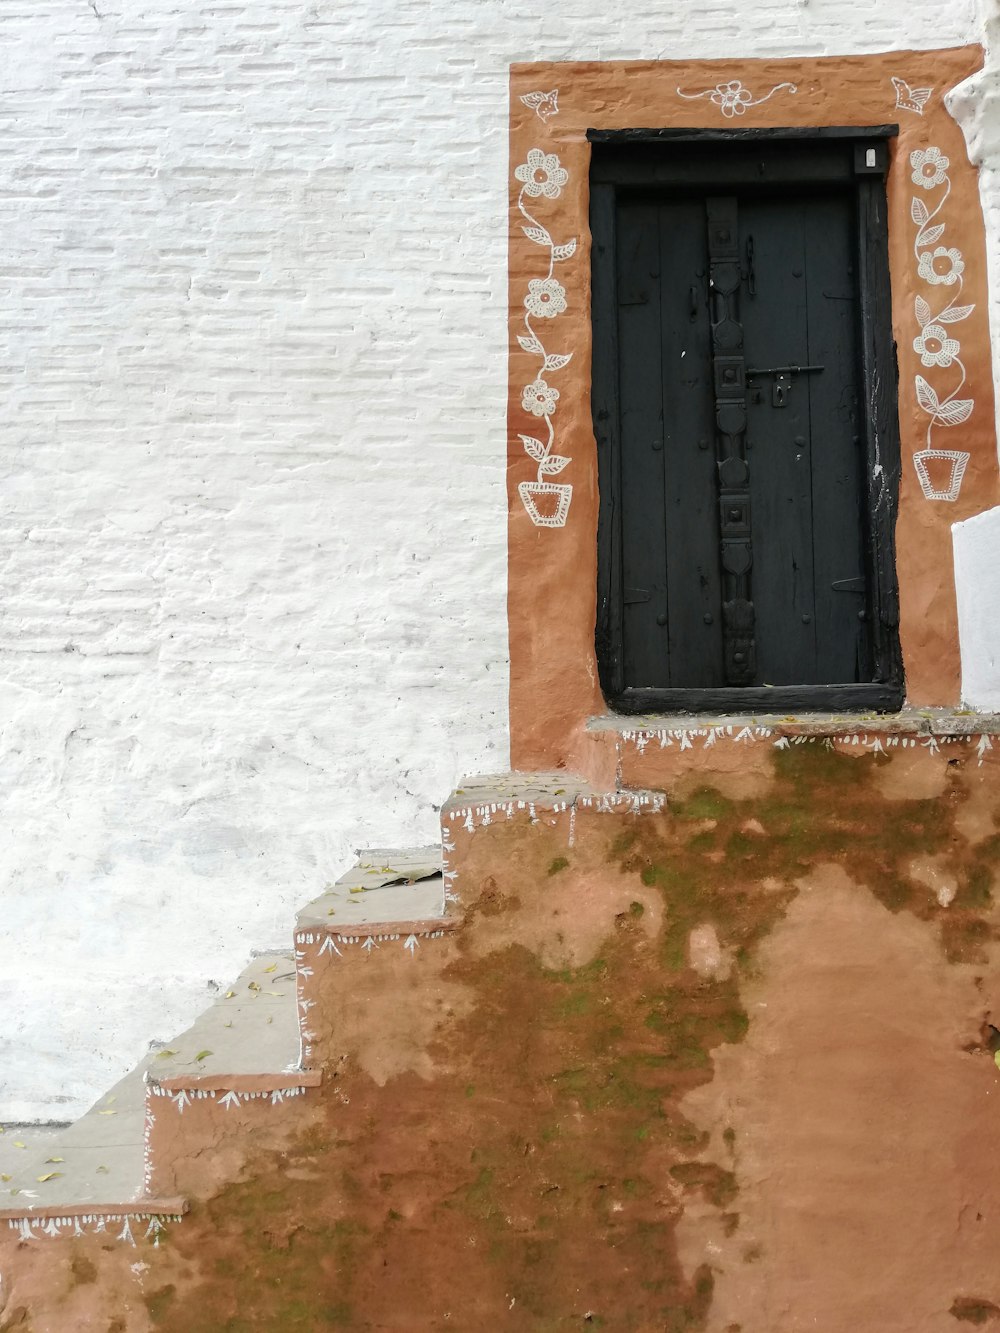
column 17, row 1144
column 201, row 1055
column 3, row 1177
column 51, row 1175
column 55, row 1159
column 165, row 1055
column 102, row 1170
column 230, row 994
column 107, row 1113
column 272, row 968
column 252, row 985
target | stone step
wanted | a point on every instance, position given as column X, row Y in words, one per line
column 86, row 1176
column 671, row 753
column 247, row 1041
column 386, row 884
column 119, row 1161
column 223, row 1082
column 387, row 907
column 499, row 805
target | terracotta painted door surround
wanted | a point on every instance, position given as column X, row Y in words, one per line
column 937, row 257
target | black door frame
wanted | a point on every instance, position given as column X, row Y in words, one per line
column 635, row 159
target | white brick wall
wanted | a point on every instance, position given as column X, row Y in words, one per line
column 252, row 519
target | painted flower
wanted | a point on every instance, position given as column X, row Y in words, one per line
column 542, row 174
column 733, row 98
column 935, row 347
column 930, row 167
column 546, row 298
column 544, row 105
column 539, row 399
column 943, row 265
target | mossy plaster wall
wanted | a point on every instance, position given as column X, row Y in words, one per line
column 940, row 316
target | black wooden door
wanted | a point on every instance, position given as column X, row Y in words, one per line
column 743, row 534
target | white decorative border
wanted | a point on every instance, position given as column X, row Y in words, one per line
column 938, row 266
column 95, row 1223
column 732, row 98
column 542, row 176
column 185, row 1096
column 878, row 743
column 910, row 99
column 544, row 105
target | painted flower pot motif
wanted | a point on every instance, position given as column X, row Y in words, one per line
column 941, row 267
column 940, row 472
column 547, row 502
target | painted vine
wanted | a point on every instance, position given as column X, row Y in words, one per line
column 940, row 266
column 546, row 502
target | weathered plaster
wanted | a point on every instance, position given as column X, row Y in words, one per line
column 747, row 1084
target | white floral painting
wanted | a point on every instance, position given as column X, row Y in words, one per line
column 941, row 267
column 546, row 502
column 544, row 105
column 733, row 98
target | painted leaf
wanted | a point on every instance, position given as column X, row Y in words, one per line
column 954, row 313
column 537, row 234
column 926, row 396
column 955, row 412
column 531, row 344
column 932, row 234
column 564, row 251
column 534, row 447
column 923, row 311
column 553, row 464
column 918, row 211
column 557, row 362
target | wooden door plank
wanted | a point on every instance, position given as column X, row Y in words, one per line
column 689, row 498
column 644, row 563
column 776, row 334
column 842, row 652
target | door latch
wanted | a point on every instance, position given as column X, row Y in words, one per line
column 782, row 383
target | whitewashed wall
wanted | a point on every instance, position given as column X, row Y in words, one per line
column 252, row 521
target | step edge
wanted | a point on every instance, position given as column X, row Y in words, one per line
column 134, row 1208
column 348, row 931
column 276, row 1082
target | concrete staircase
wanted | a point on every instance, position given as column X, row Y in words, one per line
column 123, row 1169
column 127, row 1167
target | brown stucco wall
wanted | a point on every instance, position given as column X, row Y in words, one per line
column 552, row 569
column 714, row 1059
